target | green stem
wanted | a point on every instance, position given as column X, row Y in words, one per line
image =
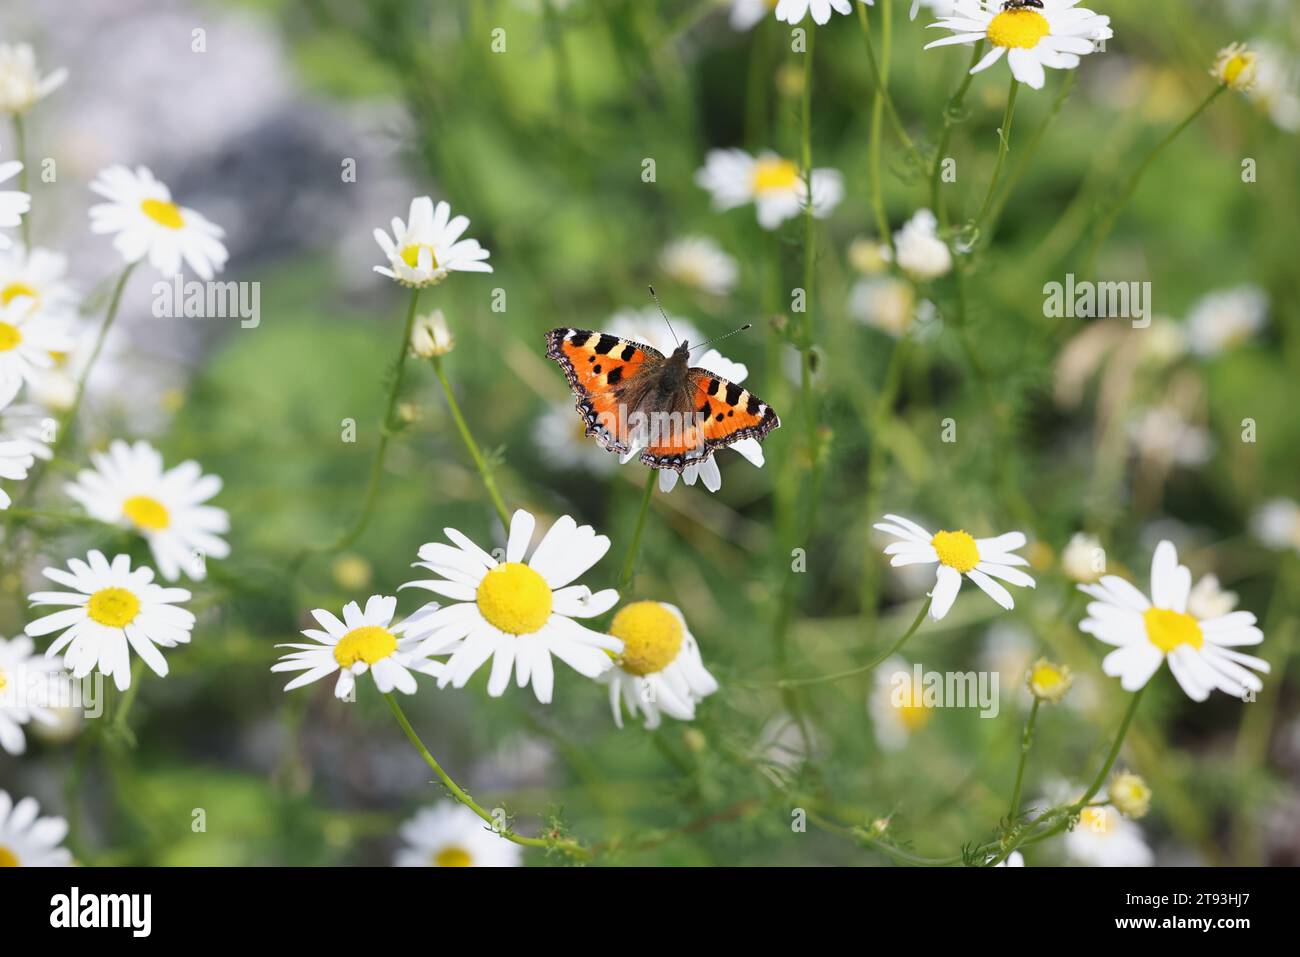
column 880, row 77
column 568, row 846
column 873, row 149
column 353, row 532
column 869, row 666
column 1108, row 220
column 951, row 113
column 1114, row 750
column 875, row 475
column 20, row 145
column 1004, row 146
column 1027, row 154
column 629, row 560
column 123, row 713
column 1026, row 740
column 480, row 462
column 70, row 417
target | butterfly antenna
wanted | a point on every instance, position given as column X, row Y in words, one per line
column 664, row 314
column 748, row 325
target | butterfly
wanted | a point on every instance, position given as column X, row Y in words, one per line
column 631, row 395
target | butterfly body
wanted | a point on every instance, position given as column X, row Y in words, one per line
column 630, row 395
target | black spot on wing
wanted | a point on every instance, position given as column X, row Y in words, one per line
column 753, row 406
column 606, row 343
column 628, row 352
column 733, row 393
column 615, row 376
column 713, row 386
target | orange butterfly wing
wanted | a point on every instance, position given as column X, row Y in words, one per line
column 597, row 365
column 721, row 413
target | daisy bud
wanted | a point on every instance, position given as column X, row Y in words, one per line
column 21, row 84
column 1130, row 795
column 351, row 572
column 695, row 741
column 1237, row 66
column 789, row 80
column 430, row 337
column 1048, row 681
column 1084, row 560
column 869, row 256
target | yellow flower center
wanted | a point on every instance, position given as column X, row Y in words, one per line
column 515, row 599
column 956, row 550
column 773, row 174
column 4, row 679
column 10, row 336
column 163, row 213
column 1095, row 819
column 147, row 513
column 369, row 643
column 8, row 858
column 913, row 716
column 15, row 289
column 1168, row 629
column 1047, row 677
column 652, row 636
column 1018, row 28
column 113, row 607
column 411, row 255
column 1233, row 68
column 452, row 857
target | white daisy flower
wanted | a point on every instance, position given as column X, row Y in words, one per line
column 1105, row 838
column 957, row 554
column 427, row 248
column 29, row 841
column 1146, row 632
column 518, row 613
column 660, row 670
column 1055, row 36
column 146, row 223
column 451, row 835
column 700, row 263
column 14, row 204
column 23, row 675
column 921, row 253
column 1163, row 435
column 883, row 302
column 940, row 8
column 1236, row 67
column 897, row 706
column 648, row 327
column 747, row 14
column 773, row 184
column 114, row 608
column 36, row 277
column 1208, row 599
column 129, row 487
column 1277, row 85
column 365, row 640
column 21, row 86
column 29, row 341
column 1276, row 523
column 1083, row 559
column 793, row 11
column 22, row 437
column 1225, row 319
column 562, row 442
column 430, row 336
